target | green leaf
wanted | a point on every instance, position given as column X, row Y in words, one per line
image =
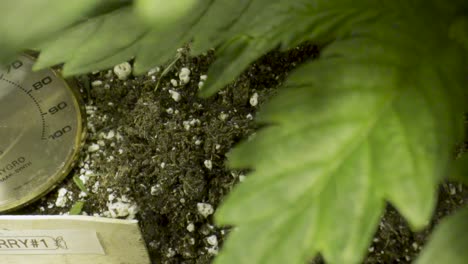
column 99, row 43
column 108, row 6
column 164, row 12
column 77, row 208
column 302, row 224
column 347, row 132
column 95, row 44
column 79, row 183
column 224, row 20
column 449, row 241
column 163, row 41
column 244, row 34
column 460, row 169
column 24, row 23
column 459, row 31
column 233, row 58
column 291, row 23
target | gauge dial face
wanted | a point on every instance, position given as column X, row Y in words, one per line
column 41, row 131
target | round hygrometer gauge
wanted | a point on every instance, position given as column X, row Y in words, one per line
column 41, row 131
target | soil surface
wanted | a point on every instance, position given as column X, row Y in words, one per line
column 158, row 155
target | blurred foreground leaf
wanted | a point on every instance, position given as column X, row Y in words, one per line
column 25, row 23
column 449, row 242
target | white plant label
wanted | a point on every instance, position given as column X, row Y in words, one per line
column 49, row 242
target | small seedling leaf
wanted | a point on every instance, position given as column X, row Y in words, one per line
column 80, row 184
column 77, row 208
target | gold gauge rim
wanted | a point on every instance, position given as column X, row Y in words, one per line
column 54, row 180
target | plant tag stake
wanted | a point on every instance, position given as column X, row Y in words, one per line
column 71, row 240
column 49, row 242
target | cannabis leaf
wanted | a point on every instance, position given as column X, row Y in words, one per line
column 292, row 25
column 459, row 31
column 238, row 30
column 97, row 43
column 374, row 120
column 24, row 23
column 448, row 243
column 111, row 38
column 164, row 12
column 460, row 169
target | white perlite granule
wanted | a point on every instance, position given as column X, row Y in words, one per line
column 212, row 240
column 208, row 164
column 61, row 198
column 123, row 70
column 93, row 148
column 205, row 209
column 184, row 75
column 122, row 208
column 175, row 95
column 254, row 99
column 191, row 227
